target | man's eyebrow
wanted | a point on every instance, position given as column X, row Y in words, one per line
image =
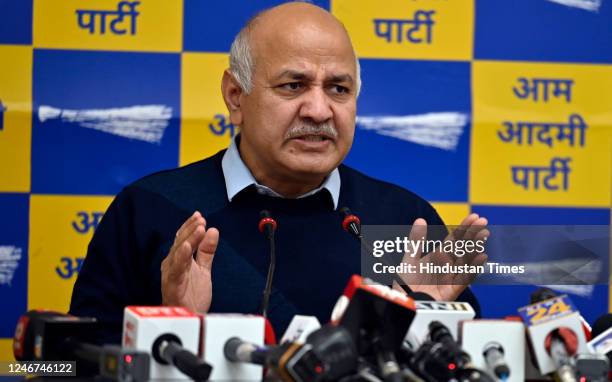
column 301, row 76
column 341, row 78
column 293, row 74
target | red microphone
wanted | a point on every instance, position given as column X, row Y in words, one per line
column 267, row 226
column 351, row 223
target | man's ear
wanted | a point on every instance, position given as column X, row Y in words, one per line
column 232, row 95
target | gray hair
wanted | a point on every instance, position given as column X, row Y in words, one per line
column 241, row 61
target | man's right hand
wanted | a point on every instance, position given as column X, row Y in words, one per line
column 186, row 271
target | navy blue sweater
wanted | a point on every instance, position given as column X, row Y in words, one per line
column 315, row 257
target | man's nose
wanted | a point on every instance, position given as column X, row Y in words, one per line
column 316, row 105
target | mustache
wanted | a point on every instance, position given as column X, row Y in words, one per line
column 309, row 128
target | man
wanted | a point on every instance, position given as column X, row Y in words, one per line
column 291, row 88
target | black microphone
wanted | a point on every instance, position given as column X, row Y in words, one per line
column 542, row 294
column 602, row 336
column 114, row 362
column 328, row 354
column 440, row 358
column 267, row 226
column 602, row 324
column 52, row 336
column 168, row 350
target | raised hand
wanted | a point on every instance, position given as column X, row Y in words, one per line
column 445, row 287
column 186, row 271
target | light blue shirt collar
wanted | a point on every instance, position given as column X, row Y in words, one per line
column 238, row 177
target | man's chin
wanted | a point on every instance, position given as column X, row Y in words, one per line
column 311, row 170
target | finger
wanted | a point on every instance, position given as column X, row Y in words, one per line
column 483, row 235
column 188, row 227
column 187, row 233
column 187, row 222
column 475, row 228
column 181, row 263
column 196, row 237
column 480, row 259
column 417, row 233
column 207, row 248
column 459, row 231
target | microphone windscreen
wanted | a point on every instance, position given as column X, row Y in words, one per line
column 542, row 294
column 602, row 324
column 420, row 296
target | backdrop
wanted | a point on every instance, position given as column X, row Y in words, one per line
column 499, row 107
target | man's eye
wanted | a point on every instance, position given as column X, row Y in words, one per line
column 339, row 89
column 291, row 86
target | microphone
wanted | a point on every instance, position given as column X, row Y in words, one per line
column 52, row 336
column 367, row 307
column 497, row 346
column 602, row 324
column 561, row 345
column 450, row 313
column 494, row 358
column 42, row 335
column 602, row 336
column 541, row 294
column 171, row 335
column 555, row 331
column 328, row 354
column 267, row 226
column 168, row 350
column 440, row 358
column 217, row 329
column 592, row 367
column 351, row 223
column 299, row 328
column 377, row 317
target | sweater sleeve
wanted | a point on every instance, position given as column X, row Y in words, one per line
column 108, row 280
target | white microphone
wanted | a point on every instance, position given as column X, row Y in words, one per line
column 602, row 344
column 171, row 335
column 556, row 334
column 497, row 346
column 299, row 328
column 602, row 336
column 217, row 329
column 449, row 313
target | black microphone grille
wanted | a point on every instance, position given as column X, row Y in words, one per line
column 265, row 214
column 542, row 294
column 602, row 324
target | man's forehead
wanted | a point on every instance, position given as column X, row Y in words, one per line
column 313, row 54
column 299, row 29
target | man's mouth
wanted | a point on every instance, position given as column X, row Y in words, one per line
column 313, row 138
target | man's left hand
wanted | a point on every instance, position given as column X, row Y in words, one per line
column 445, row 287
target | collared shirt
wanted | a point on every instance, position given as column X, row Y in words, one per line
column 238, row 177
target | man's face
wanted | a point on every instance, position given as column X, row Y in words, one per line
column 299, row 119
